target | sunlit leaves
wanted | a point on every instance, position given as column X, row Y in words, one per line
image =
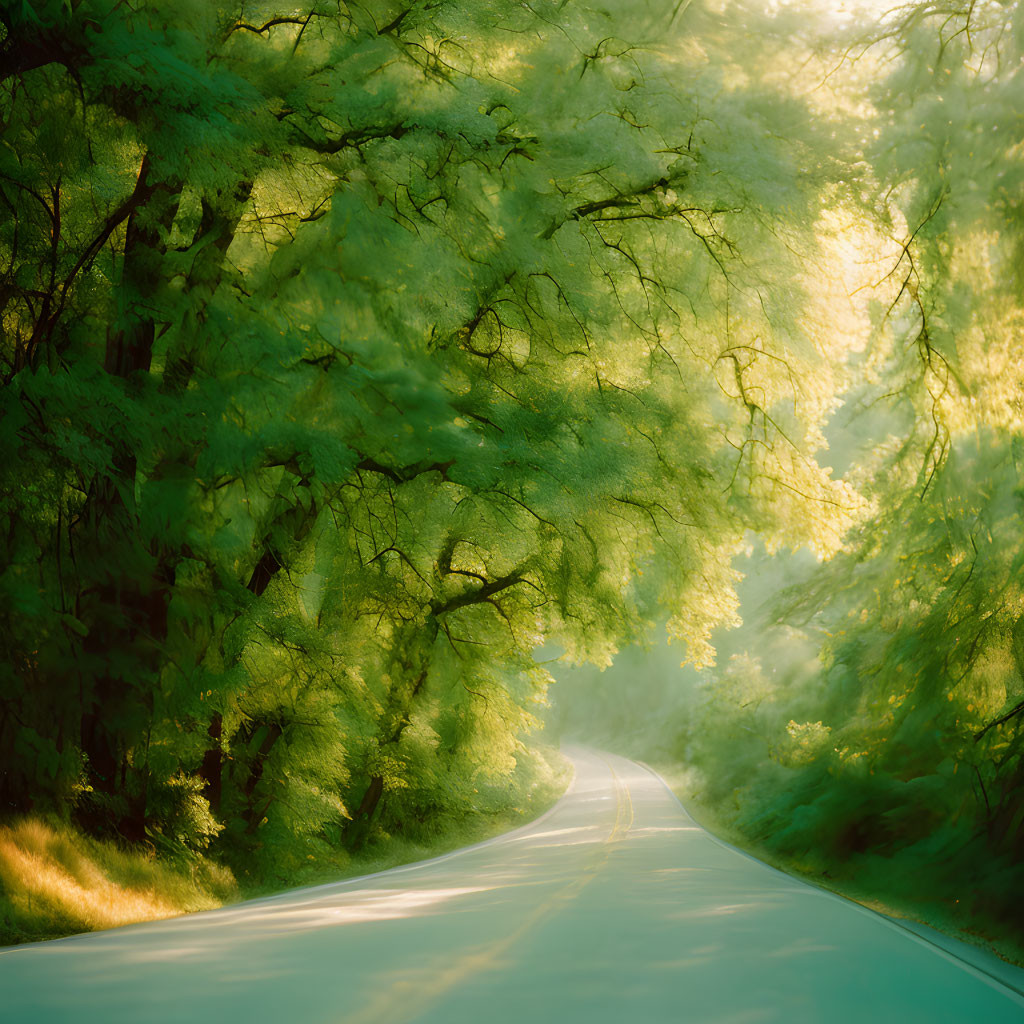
column 367, row 350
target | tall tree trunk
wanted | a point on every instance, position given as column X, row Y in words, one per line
column 212, row 767
column 254, row 816
column 130, row 613
column 400, row 714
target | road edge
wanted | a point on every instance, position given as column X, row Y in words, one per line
column 341, row 883
column 962, row 954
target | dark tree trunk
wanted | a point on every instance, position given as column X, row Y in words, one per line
column 371, row 798
column 211, row 770
column 130, row 349
column 254, row 816
column 99, row 747
column 130, row 613
column 133, row 824
column 359, row 827
column 266, row 569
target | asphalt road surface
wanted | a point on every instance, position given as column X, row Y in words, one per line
column 613, row 907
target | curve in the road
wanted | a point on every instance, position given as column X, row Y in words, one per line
column 613, row 907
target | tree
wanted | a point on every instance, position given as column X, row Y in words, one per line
column 348, row 359
column 916, row 713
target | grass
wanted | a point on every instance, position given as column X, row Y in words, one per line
column 56, row 881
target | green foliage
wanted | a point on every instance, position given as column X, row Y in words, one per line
column 872, row 731
column 350, row 354
column 345, row 361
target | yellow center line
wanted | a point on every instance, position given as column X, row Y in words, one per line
column 621, row 791
column 406, row 999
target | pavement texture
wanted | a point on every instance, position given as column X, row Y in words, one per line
column 615, row 906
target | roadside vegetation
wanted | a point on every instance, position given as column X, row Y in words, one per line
column 865, row 724
column 345, row 361
column 55, row 880
column 352, row 354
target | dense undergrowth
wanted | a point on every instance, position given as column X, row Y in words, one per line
column 56, row 880
column 340, row 368
column 757, row 751
column 941, row 888
column 348, row 357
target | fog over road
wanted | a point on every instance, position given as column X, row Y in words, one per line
column 614, row 906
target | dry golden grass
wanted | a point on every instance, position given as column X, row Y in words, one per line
column 55, row 881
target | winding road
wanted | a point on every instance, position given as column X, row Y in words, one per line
column 615, row 906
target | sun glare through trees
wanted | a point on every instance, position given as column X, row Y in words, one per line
column 357, row 357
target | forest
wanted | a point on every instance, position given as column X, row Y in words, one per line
column 365, row 366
